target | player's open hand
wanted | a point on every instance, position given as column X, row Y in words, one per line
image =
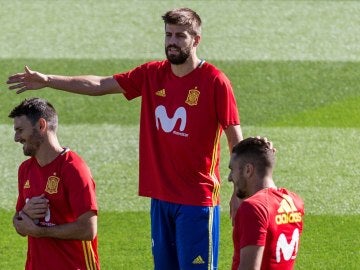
column 28, row 80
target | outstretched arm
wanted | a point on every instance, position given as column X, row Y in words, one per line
column 85, row 84
column 84, row 228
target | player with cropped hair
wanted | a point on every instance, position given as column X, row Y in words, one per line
column 56, row 207
column 269, row 221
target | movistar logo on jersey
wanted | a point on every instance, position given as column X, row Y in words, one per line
column 167, row 123
column 288, row 250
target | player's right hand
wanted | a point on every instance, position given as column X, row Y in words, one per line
column 36, row 207
column 28, row 80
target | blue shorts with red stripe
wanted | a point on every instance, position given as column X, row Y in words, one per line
column 184, row 237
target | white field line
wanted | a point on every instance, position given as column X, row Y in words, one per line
column 321, row 164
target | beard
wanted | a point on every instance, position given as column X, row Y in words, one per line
column 33, row 143
column 241, row 194
column 180, row 58
column 242, row 189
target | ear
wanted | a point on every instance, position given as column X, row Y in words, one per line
column 249, row 170
column 197, row 40
column 42, row 125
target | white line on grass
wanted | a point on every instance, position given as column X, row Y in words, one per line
column 318, row 163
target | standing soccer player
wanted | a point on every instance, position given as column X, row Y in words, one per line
column 186, row 105
column 56, row 206
column 269, row 221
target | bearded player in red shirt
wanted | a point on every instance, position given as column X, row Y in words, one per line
column 269, row 221
column 56, row 206
column 186, row 104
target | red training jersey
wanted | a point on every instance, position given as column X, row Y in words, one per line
column 182, row 119
column 272, row 218
column 68, row 185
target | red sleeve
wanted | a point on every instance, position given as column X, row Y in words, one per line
column 226, row 106
column 131, row 81
column 253, row 223
column 80, row 187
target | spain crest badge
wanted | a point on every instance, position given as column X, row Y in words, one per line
column 193, row 97
column 52, row 184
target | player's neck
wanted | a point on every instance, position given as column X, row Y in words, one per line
column 268, row 182
column 265, row 183
column 48, row 151
column 190, row 64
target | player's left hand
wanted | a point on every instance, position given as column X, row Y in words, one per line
column 25, row 225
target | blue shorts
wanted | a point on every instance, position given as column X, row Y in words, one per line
column 184, row 237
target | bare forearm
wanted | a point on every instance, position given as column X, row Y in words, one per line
column 84, row 228
column 79, row 230
column 68, row 231
column 85, row 85
column 233, row 135
column 251, row 257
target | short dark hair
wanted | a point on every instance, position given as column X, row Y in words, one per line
column 34, row 109
column 258, row 151
column 186, row 17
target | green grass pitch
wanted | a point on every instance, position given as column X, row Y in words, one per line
column 295, row 70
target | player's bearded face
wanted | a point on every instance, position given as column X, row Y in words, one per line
column 242, row 194
column 237, row 176
column 241, row 183
column 177, row 55
column 32, row 143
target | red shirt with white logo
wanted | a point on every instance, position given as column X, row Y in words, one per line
column 272, row 218
column 182, row 119
column 68, row 185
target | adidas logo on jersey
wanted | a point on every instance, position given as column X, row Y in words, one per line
column 287, row 205
column 161, row 93
column 27, row 184
column 198, row 260
column 288, row 212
